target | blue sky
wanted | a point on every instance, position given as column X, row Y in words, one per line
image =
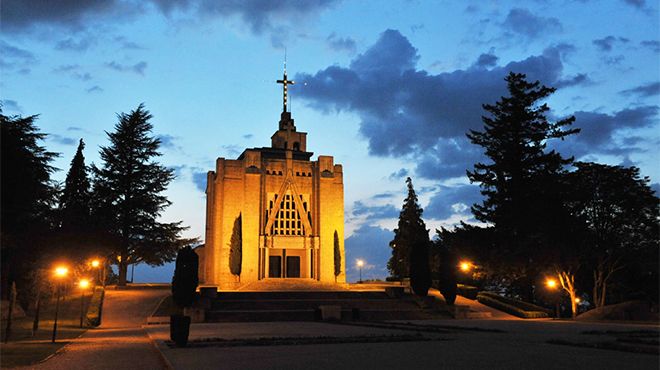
column 387, row 87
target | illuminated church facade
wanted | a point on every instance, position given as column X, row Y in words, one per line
column 287, row 208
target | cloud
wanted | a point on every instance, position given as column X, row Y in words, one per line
column 138, row 68
column 167, row 141
column 644, row 91
column 11, row 105
column 341, row 43
column 398, row 174
column 371, row 244
column 639, row 4
column 127, row 44
column 653, row 45
column 486, row 60
column 607, row 43
column 76, row 45
column 74, row 70
column 62, row 139
column 94, row 89
column 578, row 79
column 405, row 111
column 600, row 132
column 248, row 136
column 374, row 212
column 199, row 179
column 15, row 58
column 523, row 22
column 450, row 200
column 74, row 128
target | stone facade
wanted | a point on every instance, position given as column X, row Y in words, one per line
column 290, row 208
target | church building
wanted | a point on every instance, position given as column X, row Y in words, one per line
column 287, row 209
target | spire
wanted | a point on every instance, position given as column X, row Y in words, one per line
column 285, row 81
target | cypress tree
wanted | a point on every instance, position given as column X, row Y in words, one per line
column 410, row 246
column 76, row 197
column 236, row 248
column 337, row 256
column 127, row 195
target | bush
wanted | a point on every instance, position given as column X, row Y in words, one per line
column 512, row 306
column 185, row 280
column 95, row 308
column 467, row 291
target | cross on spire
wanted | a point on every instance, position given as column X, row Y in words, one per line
column 284, row 81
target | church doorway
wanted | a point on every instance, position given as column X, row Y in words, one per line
column 275, row 266
column 292, row 266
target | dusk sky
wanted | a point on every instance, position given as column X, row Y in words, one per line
column 389, row 88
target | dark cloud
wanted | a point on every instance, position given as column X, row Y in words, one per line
column 398, row 174
column 74, row 128
column 94, row 89
column 578, row 79
column 450, row 200
column 167, row 141
column 62, row 139
column 607, row 43
column 341, row 43
column 386, row 195
column 406, row 111
column 126, row 44
column 248, row 136
column 199, row 179
column 11, row 105
column 654, row 45
column 523, row 22
column 644, row 91
column 486, row 60
column 71, row 44
column 231, row 150
column 614, row 61
column 73, row 70
column 138, row 68
column 639, row 4
column 23, row 15
column 371, row 244
column 15, row 58
column 599, row 131
column 374, row 212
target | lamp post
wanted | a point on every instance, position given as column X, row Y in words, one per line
column 83, row 284
column 552, row 284
column 360, row 263
column 60, row 273
column 96, row 264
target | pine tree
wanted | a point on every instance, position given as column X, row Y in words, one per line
column 127, row 195
column 75, row 201
column 410, row 247
column 28, row 196
column 522, row 184
column 337, row 256
column 236, row 248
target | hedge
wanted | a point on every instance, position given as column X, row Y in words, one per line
column 467, row 291
column 95, row 307
column 512, row 306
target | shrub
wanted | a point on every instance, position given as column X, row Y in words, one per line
column 95, row 308
column 512, row 306
column 185, row 280
column 467, row 291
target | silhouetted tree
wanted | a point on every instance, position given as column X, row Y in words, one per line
column 236, row 248
column 522, row 182
column 185, row 279
column 337, row 256
column 410, row 246
column 28, row 196
column 75, row 201
column 127, row 195
column 620, row 214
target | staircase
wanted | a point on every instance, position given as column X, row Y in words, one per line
column 303, row 305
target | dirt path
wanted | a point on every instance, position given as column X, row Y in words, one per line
column 120, row 342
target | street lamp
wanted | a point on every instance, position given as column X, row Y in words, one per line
column 360, row 263
column 96, row 264
column 465, row 266
column 83, row 284
column 60, row 273
column 552, row 284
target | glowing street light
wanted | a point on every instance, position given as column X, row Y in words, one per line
column 83, row 284
column 551, row 283
column 360, row 263
column 60, row 273
column 465, row 266
column 96, row 263
column 577, row 300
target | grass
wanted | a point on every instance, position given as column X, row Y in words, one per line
column 24, row 349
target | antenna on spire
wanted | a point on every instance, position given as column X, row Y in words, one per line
column 285, row 81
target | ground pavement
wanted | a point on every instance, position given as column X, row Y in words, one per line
column 120, row 342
